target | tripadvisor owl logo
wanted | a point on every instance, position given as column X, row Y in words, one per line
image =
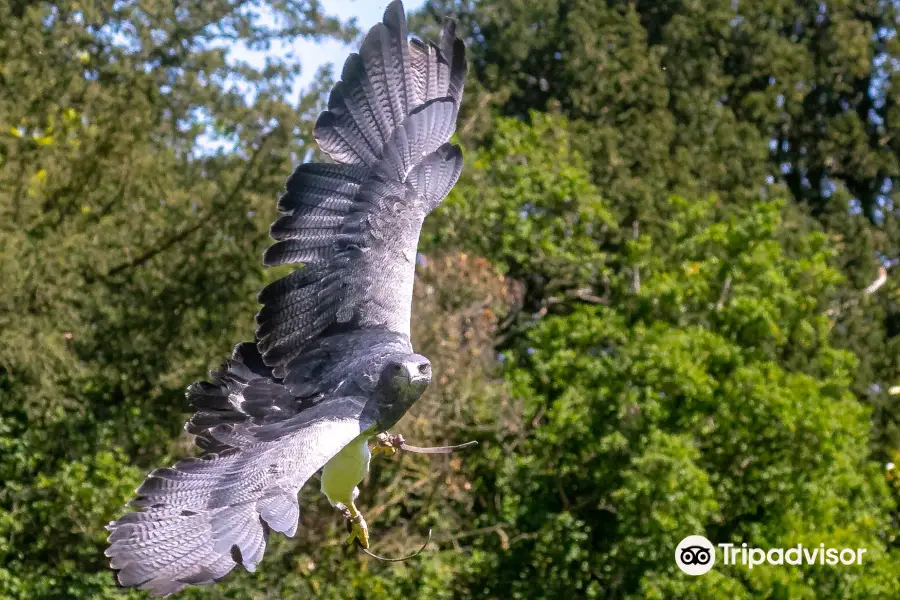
column 695, row 555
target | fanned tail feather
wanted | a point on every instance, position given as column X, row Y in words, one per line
column 241, row 391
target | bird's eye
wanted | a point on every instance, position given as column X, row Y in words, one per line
column 424, row 368
column 398, row 368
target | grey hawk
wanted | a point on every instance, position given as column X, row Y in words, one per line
column 332, row 364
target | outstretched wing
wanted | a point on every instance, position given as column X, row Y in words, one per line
column 355, row 225
column 202, row 517
column 264, row 438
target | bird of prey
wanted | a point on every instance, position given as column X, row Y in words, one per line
column 331, row 366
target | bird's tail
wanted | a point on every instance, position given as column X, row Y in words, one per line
column 240, row 391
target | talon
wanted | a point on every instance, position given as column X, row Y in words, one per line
column 387, row 443
column 358, row 528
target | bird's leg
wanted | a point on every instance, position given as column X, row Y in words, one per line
column 358, row 528
column 387, row 443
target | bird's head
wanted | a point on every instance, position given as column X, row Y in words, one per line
column 403, row 380
column 408, row 373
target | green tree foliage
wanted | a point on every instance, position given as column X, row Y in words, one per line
column 700, row 395
column 727, row 98
column 546, row 238
column 644, row 343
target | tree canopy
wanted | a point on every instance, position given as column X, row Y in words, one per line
column 661, row 297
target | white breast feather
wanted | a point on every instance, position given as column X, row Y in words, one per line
column 346, row 470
